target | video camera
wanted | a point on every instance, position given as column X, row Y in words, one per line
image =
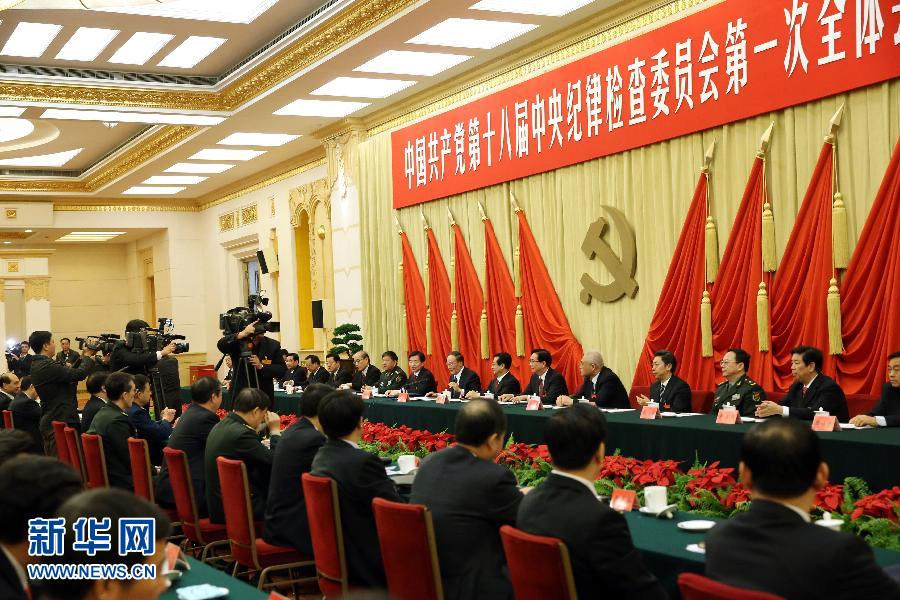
column 151, row 339
column 105, row 342
column 236, row 319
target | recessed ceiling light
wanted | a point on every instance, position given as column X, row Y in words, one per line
column 153, row 190
column 198, row 168
column 174, row 179
column 7, row 242
column 140, row 48
column 258, row 139
column 28, row 231
column 57, row 159
column 14, row 129
column 11, row 111
column 320, row 108
column 362, row 87
column 556, row 8
column 222, row 154
column 30, row 40
column 90, row 236
column 245, row 11
column 87, row 43
column 403, row 62
column 471, row 33
column 191, row 51
column 73, row 114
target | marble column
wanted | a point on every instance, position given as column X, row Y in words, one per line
column 3, row 366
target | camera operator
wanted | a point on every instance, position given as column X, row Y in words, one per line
column 137, row 363
column 265, row 357
column 53, row 382
column 19, row 361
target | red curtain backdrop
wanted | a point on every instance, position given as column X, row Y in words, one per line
column 469, row 303
column 501, row 304
column 734, row 293
column 414, row 292
column 546, row 325
column 441, row 310
column 870, row 293
column 799, row 314
column 676, row 321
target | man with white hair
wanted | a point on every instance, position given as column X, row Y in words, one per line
column 601, row 386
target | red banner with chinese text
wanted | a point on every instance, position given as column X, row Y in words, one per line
column 728, row 62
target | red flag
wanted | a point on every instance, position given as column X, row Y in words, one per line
column 870, row 293
column 676, row 321
column 546, row 325
column 734, row 294
column 414, row 292
column 469, row 303
column 441, row 310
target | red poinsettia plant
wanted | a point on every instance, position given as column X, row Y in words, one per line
column 882, row 505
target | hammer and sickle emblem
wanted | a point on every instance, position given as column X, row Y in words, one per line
column 622, row 270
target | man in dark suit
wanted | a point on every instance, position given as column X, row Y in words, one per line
column 671, row 392
column 235, row 437
column 470, row 497
column 366, row 374
column 421, row 380
column 286, row 523
column 113, row 425
column 265, row 363
column 810, row 392
column 887, row 412
column 315, row 373
column 545, row 383
column 462, row 379
column 605, row 563
column 66, row 356
column 31, row 487
column 26, row 413
column 190, row 436
column 294, row 373
column 10, row 384
column 773, row 547
column 601, row 385
column 360, row 478
column 155, row 432
column 503, row 382
column 97, row 400
column 21, row 366
column 336, row 375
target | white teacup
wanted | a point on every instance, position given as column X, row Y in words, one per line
column 289, row 389
column 407, row 462
column 655, row 497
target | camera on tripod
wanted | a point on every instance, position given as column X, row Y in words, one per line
column 104, row 342
column 151, row 339
column 235, row 320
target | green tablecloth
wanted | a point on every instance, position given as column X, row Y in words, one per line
column 202, row 573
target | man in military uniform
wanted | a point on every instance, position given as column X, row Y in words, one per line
column 738, row 389
column 392, row 377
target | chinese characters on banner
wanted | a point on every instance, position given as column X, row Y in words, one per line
column 728, row 62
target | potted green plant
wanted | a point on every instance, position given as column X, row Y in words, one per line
column 346, row 340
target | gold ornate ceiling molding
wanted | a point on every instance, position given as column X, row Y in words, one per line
column 113, row 208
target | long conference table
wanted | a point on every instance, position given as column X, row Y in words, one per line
column 870, row 453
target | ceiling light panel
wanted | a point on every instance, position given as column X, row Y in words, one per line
column 362, row 87
column 57, row 159
column 74, row 114
column 174, row 180
column 153, row 190
column 233, row 11
column 14, row 129
column 90, row 236
column 320, row 108
column 87, row 43
column 191, row 51
column 11, row 111
column 140, row 48
column 403, row 62
column 198, row 168
column 544, row 8
column 222, row 154
column 258, row 139
column 30, row 40
column 471, row 33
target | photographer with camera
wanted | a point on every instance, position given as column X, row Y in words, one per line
column 256, row 358
column 131, row 358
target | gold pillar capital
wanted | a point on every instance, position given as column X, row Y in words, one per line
column 37, row 288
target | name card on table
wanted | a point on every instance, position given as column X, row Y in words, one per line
column 825, row 423
column 442, row 398
column 650, row 412
column 534, row 403
column 728, row 416
column 622, row 500
column 366, row 393
column 276, row 596
column 403, row 397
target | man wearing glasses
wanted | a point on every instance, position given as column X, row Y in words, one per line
column 738, row 389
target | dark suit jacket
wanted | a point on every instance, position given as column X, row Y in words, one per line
column 189, row 435
column 10, row 586
column 268, row 350
column 27, row 416
column 771, row 548
column 232, row 438
column 468, row 381
column 360, row 478
column 470, row 499
column 53, row 382
column 297, row 375
column 371, row 378
column 90, row 410
column 888, row 407
column 286, row 523
column 554, row 387
column 136, row 363
column 67, row 357
column 605, row 563
column 677, row 397
column 508, row 385
column 607, row 393
column 5, row 400
column 823, row 393
column 113, row 425
column 155, row 432
column 339, row 377
column 421, row 383
column 320, row 375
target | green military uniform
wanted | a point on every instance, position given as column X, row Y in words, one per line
column 112, row 424
column 391, row 380
column 744, row 394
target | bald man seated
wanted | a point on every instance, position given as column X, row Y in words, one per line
column 601, row 385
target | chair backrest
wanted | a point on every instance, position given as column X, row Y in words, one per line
column 409, row 550
column 324, row 516
column 8, row 422
column 694, row 586
column 94, row 460
column 539, row 567
column 74, row 451
column 59, row 435
column 183, row 491
column 638, row 390
column 238, row 510
column 141, row 476
column 701, row 402
column 860, row 404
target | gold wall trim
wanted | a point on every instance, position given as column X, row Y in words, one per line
column 125, row 208
column 36, row 252
column 37, row 288
column 261, row 184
